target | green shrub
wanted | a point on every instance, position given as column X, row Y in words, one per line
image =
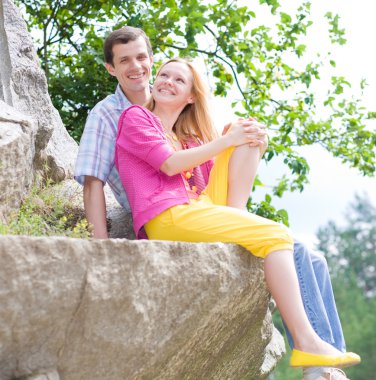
column 46, row 212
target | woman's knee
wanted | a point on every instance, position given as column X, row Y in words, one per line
column 286, row 234
column 280, row 239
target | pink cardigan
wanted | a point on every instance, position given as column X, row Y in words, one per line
column 141, row 148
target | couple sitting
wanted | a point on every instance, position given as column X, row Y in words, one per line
column 160, row 148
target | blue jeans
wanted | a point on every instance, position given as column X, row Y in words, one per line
column 317, row 295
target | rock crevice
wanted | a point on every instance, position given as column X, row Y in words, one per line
column 24, row 87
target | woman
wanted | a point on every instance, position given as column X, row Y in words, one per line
column 163, row 154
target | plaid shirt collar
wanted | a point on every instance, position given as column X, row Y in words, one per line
column 121, row 99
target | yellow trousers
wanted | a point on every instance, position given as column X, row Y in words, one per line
column 208, row 219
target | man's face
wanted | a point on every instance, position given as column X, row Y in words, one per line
column 131, row 66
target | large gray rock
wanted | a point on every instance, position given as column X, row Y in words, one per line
column 116, row 309
column 17, row 134
column 24, row 87
column 122, row 310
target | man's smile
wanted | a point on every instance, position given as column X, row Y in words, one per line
column 136, row 76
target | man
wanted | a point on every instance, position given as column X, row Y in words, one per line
column 128, row 57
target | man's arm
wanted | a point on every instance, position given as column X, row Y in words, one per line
column 95, row 206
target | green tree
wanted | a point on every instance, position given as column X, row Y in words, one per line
column 351, row 248
column 241, row 49
column 358, row 320
column 351, row 254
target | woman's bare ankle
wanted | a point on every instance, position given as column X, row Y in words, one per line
column 317, row 346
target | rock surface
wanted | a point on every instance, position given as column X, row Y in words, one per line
column 120, row 309
column 17, row 134
column 24, row 87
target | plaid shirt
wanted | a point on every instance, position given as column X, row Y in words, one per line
column 96, row 152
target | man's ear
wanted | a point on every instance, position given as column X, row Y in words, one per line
column 110, row 69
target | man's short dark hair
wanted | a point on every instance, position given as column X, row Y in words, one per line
column 123, row 36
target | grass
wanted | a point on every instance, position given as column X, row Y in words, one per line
column 47, row 212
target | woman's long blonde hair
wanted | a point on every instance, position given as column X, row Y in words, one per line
column 194, row 121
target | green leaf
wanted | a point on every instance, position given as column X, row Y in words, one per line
column 245, row 54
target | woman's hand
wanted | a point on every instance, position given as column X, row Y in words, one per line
column 246, row 131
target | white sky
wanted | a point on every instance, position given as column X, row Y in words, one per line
column 332, row 184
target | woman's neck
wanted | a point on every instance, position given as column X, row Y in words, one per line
column 168, row 116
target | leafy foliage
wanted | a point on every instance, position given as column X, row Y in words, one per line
column 351, row 254
column 351, row 249
column 267, row 210
column 259, row 49
column 46, row 213
column 358, row 321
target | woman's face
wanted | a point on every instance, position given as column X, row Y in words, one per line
column 173, row 85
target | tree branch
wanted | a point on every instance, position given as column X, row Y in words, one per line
column 213, row 54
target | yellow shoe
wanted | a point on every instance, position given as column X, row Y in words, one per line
column 305, row 359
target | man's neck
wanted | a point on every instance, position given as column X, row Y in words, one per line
column 140, row 97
